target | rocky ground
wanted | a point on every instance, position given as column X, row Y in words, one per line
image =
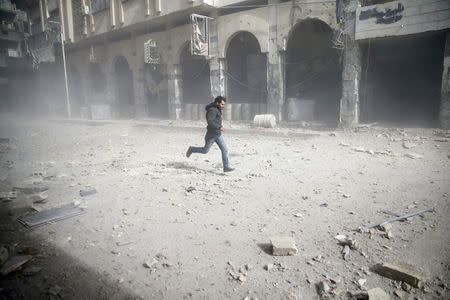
column 161, row 226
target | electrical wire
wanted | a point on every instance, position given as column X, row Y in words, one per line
column 243, row 84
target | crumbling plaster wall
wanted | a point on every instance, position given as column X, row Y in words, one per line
column 254, row 21
column 325, row 12
column 444, row 112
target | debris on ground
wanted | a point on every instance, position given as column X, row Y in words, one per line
column 14, row 262
column 282, row 246
column 401, row 271
column 88, row 191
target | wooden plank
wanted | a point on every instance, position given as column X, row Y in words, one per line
column 402, row 18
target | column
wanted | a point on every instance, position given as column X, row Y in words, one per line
column 175, row 84
column 275, row 69
column 351, row 76
column 444, row 111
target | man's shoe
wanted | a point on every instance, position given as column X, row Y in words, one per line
column 228, row 169
column 188, row 152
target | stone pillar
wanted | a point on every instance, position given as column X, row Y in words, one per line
column 110, row 91
column 217, row 77
column 175, row 85
column 444, row 111
column 275, row 69
column 140, row 102
column 351, row 75
column 216, row 65
column 137, row 65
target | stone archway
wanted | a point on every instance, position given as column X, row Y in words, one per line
column 246, row 69
column 195, row 74
column 75, row 91
column 124, row 91
column 313, row 73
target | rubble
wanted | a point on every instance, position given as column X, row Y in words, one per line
column 88, row 191
column 14, row 262
column 378, row 294
column 282, row 246
column 402, row 272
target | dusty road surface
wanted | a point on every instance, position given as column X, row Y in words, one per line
column 162, row 226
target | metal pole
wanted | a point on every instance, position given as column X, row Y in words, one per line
column 69, row 114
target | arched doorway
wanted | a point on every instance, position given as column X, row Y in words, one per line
column 246, row 70
column 75, row 91
column 96, row 89
column 124, row 92
column 313, row 73
column 156, row 90
column 196, row 80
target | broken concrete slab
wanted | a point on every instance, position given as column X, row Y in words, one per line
column 283, row 246
column 402, row 272
column 54, row 214
column 378, row 294
column 13, row 263
column 32, row 189
column 87, row 191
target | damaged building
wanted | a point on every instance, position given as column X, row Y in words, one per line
column 333, row 61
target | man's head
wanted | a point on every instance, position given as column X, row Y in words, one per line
column 220, row 102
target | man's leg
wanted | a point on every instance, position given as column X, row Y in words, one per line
column 209, row 140
column 221, row 143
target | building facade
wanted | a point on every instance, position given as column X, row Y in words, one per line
column 338, row 61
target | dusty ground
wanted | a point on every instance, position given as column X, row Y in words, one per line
column 211, row 243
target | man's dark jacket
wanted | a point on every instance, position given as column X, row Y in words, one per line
column 214, row 118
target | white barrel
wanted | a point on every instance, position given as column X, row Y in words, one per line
column 245, row 111
column 227, row 111
column 194, row 112
column 188, row 111
column 267, row 121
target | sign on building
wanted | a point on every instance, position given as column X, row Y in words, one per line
column 151, row 52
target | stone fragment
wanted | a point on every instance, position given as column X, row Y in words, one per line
column 378, row 294
column 385, row 227
column 13, row 263
column 149, row 264
column 408, row 145
column 4, row 254
column 268, row 267
column 413, row 155
column 323, row 288
column 282, row 246
column 346, row 252
column 403, row 272
column 361, row 281
column 400, row 294
column 88, row 191
column 30, row 271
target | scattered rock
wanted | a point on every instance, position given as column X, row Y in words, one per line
column 148, row 264
column 361, row 282
column 282, row 246
column 268, row 267
column 87, row 191
column 400, row 294
column 413, row 155
column 30, row 271
column 385, row 227
column 346, row 252
column 408, row 145
column 323, row 288
column 402, row 272
column 4, row 255
column 14, row 262
column 378, row 294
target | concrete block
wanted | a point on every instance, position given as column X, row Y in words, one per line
column 378, row 294
column 403, row 272
column 283, row 246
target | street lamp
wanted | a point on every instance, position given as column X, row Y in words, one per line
column 69, row 113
